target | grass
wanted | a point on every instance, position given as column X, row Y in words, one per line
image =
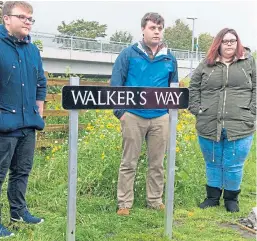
column 98, row 162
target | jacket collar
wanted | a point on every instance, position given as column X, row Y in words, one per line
column 4, row 34
column 162, row 49
column 218, row 59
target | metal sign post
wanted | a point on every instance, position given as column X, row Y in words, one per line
column 72, row 169
column 169, row 193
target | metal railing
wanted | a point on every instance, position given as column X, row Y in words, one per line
column 74, row 43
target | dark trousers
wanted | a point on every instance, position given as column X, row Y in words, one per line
column 16, row 155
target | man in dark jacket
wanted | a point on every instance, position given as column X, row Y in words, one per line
column 22, row 95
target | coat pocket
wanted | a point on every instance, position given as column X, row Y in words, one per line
column 246, row 113
column 248, row 78
column 8, row 119
column 8, row 76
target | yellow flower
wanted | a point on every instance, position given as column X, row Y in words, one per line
column 109, row 125
column 48, row 157
column 193, row 137
column 190, row 214
column 102, row 136
column 177, row 149
column 179, row 127
column 90, row 128
column 187, row 138
column 102, row 156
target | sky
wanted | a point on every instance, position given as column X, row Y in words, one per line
column 212, row 16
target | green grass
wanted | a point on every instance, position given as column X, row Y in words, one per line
column 96, row 195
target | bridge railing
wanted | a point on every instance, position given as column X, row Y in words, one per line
column 73, row 43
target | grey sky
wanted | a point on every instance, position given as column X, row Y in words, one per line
column 126, row 15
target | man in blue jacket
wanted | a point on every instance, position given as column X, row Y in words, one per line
column 147, row 63
column 22, row 95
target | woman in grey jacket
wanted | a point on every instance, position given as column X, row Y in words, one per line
column 223, row 100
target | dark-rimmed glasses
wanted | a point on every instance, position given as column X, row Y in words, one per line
column 231, row 41
column 23, row 18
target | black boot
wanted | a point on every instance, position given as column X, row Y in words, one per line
column 213, row 197
column 231, row 200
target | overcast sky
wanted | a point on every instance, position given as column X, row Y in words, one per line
column 126, row 15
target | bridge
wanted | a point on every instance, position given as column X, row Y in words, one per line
column 94, row 58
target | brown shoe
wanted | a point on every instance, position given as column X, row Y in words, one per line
column 158, row 207
column 161, row 207
column 123, row 212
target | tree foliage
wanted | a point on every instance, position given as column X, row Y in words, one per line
column 39, row 44
column 178, row 36
column 204, row 42
column 1, row 7
column 82, row 28
column 255, row 54
column 122, row 36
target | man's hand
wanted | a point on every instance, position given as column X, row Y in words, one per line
column 122, row 117
column 40, row 105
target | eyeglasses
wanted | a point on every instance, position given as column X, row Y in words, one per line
column 24, row 18
column 231, row 41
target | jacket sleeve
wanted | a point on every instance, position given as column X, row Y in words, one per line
column 195, row 90
column 253, row 100
column 41, row 80
column 120, row 69
column 174, row 74
column 119, row 76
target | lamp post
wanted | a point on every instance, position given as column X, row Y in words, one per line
column 193, row 36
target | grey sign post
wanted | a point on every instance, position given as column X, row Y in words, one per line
column 100, row 97
column 169, row 194
column 72, row 169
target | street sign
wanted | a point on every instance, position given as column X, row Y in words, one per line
column 95, row 97
column 75, row 97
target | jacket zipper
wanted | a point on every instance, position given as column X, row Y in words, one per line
column 245, row 73
column 225, row 97
column 247, row 77
column 209, row 76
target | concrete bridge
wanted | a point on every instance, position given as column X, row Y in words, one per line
column 94, row 58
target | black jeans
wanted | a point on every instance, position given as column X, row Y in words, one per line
column 16, row 155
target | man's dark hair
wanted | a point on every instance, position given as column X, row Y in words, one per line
column 153, row 17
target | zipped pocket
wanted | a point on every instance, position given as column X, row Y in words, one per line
column 209, row 76
column 10, row 75
column 247, row 76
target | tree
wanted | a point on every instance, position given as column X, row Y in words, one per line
column 82, row 28
column 255, row 54
column 178, row 36
column 39, row 44
column 1, row 7
column 121, row 36
column 204, row 42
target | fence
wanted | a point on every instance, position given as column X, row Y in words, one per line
column 56, row 99
column 74, row 43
